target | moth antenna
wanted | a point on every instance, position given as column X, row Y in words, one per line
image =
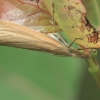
column 53, row 6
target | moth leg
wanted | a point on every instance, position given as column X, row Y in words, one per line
column 52, row 21
column 53, row 6
column 54, row 24
column 62, row 41
column 73, row 42
column 70, row 51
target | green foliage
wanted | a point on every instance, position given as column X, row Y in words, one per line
column 58, row 77
column 31, row 75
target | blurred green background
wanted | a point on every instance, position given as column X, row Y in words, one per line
column 32, row 75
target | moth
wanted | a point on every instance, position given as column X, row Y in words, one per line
column 69, row 16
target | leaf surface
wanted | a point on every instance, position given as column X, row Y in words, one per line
column 32, row 14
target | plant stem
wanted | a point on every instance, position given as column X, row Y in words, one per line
column 94, row 68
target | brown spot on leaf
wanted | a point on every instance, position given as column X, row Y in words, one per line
column 93, row 37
